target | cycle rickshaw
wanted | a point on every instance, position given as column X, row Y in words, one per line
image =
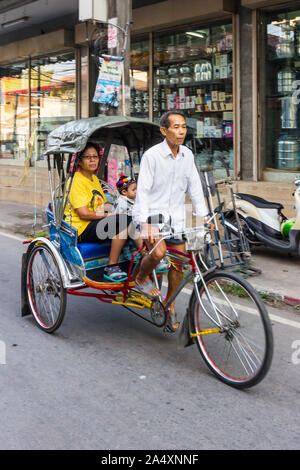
column 225, row 317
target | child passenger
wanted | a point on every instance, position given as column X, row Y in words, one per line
column 127, row 189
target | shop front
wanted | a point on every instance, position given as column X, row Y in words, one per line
column 279, row 83
column 236, row 76
column 37, row 95
column 189, row 69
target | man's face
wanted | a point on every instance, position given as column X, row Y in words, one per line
column 176, row 132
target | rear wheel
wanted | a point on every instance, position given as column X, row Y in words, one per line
column 45, row 292
column 232, row 329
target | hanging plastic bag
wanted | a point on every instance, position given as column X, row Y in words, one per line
column 109, row 80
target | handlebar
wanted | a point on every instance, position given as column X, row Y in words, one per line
column 181, row 233
column 227, row 180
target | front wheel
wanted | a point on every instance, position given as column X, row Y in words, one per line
column 231, row 327
column 45, row 292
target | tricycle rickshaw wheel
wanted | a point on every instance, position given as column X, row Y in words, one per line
column 232, row 329
column 45, row 291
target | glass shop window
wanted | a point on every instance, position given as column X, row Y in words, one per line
column 139, row 78
column 53, row 96
column 282, row 90
column 14, row 111
column 193, row 72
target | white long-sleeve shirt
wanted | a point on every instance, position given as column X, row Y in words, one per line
column 163, row 182
column 124, row 205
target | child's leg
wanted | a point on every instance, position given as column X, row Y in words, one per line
column 117, row 244
column 138, row 243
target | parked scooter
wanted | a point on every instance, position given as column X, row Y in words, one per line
column 263, row 223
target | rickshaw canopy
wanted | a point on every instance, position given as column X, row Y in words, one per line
column 72, row 137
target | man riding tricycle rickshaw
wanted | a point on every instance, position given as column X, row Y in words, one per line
column 113, row 235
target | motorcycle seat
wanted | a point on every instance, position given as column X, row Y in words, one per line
column 259, row 202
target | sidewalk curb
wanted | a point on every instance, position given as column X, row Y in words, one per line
column 18, row 229
column 291, row 301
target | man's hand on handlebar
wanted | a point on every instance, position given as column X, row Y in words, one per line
column 208, row 224
column 149, row 232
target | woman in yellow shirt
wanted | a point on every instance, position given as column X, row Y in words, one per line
column 88, row 216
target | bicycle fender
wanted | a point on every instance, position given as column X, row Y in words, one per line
column 184, row 337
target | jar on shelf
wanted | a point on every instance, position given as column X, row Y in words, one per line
column 162, row 81
column 174, row 80
column 172, row 49
column 183, row 46
column 286, row 47
column 288, row 150
column 186, row 79
column 161, row 72
column 289, row 111
column 194, row 47
column 185, row 69
column 173, row 71
column 286, row 77
column 297, row 40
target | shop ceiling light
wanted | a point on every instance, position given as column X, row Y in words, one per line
column 192, row 33
column 10, row 23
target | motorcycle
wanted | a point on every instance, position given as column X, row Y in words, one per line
column 263, row 222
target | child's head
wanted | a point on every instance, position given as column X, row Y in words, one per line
column 127, row 186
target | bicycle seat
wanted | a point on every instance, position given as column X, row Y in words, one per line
column 259, row 202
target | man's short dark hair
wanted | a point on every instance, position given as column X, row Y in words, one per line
column 164, row 120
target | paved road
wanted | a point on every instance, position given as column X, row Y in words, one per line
column 108, row 380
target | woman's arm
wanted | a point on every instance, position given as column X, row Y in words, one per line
column 85, row 214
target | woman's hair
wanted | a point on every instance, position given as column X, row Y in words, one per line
column 88, row 146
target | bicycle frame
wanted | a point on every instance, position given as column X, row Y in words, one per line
column 198, row 277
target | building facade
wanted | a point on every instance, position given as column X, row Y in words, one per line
column 232, row 67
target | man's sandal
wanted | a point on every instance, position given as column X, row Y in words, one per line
column 115, row 274
column 171, row 321
column 145, row 288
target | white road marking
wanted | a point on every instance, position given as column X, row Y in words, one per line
column 14, row 237
column 272, row 317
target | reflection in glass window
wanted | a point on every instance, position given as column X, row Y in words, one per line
column 139, row 76
column 53, row 98
column 53, row 102
column 193, row 73
column 281, row 84
column 14, row 111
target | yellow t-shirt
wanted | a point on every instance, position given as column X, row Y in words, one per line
column 84, row 192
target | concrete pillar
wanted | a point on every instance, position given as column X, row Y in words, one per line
column 122, row 9
column 246, row 94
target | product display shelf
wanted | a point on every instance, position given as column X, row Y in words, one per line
column 188, row 59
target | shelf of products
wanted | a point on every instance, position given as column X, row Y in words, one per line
column 193, row 73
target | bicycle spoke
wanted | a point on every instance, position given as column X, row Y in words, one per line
column 239, row 352
column 45, row 290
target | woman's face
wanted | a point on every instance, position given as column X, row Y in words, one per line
column 90, row 160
